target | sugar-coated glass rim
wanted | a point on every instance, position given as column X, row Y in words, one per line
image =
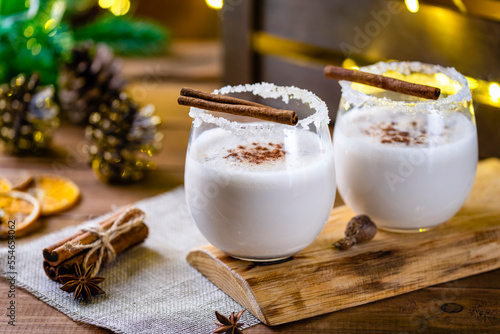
column 358, row 98
column 265, row 90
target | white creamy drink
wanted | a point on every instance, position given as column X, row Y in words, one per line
column 407, row 171
column 260, row 197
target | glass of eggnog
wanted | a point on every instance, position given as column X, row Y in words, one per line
column 258, row 190
column 407, row 162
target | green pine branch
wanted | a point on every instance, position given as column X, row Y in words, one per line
column 125, row 35
column 27, row 44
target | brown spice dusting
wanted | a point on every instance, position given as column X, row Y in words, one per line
column 257, row 154
column 389, row 134
column 403, row 140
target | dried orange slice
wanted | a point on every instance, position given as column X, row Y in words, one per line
column 5, row 185
column 55, row 193
column 18, row 212
column 20, row 180
column 17, row 181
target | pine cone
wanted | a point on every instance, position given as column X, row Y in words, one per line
column 121, row 137
column 28, row 115
column 91, row 77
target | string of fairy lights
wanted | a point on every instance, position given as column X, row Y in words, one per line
column 485, row 92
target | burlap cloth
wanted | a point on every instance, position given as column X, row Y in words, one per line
column 149, row 289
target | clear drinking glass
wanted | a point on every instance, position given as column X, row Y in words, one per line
column 258, row 190
column 407, row 162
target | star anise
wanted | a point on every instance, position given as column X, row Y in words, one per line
column 83, row 285
column 228, row 326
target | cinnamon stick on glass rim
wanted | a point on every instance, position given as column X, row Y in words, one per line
column 231, row 105
column 380, row 81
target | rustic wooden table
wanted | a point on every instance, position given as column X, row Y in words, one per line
column 469, row 305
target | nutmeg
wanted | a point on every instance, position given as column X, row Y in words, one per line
column 362, row 228
column 345, row 243
column 359, row 229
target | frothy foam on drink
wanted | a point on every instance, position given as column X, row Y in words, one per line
column 256, row 153
column 403, row 129
column 220, row 149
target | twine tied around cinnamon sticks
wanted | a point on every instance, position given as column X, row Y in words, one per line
column 104, row 237
column 93, row 245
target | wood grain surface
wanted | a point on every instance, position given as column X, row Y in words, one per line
column 320, row 280
column 415, row 312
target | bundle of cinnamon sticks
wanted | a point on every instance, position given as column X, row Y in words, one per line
column 60, row 258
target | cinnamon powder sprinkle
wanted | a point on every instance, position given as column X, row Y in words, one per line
column 257, row 153
column 389, row 134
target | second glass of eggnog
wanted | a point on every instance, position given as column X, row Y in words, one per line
column 407, row 162
column 258, row 190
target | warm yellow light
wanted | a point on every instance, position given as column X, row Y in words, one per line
column 412, row 5
column 350, row 64
column 494, row 91
column 447, row 85
column 442, row 79
column 460, row 5
column 106, row 3
column 50, row 24
column 120, row 7
column 215, row 4
column 473, row 83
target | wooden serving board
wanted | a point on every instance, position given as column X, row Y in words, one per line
column 320, row 279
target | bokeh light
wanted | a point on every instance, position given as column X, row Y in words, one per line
column 117, row 7
column 106, row 3
column 215, row 4
column 494, row 91
column 412, row 5
column 350, row 64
